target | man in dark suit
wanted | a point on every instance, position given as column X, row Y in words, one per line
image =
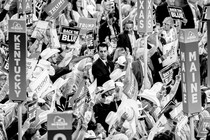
column 192, row 13
column 102, row 67
column 162, row 11
column 128, row 37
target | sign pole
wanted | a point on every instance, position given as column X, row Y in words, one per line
column 19, row 121
column 192, row 136
column 145, row 62
column 208, row 46
column 120, row 15
column 145, row 25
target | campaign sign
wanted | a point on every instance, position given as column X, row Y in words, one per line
column 86, row 24
column 17, row 60
column 205, row 15
column 190, row 71
column 5, row 47
column 59, row 126
column 90, row 39
column 202, row 132
column 176, row 12
column 32, row 109
column 55, row 7
column 5, row 66
column 41, row 84
column 38, row 6
column 166, row 74
column 69, row 35
column 145, row 16
column 29, row 19
column 170, row 53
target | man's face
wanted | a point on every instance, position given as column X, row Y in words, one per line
column 103, row 52
column 129, row 28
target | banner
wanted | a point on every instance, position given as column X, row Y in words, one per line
column 30, row 65
column 130, row 84
column 69, row 35
column 54, row 38
column 71, row 88
column 55, row 7
column 170, row 53
column 176, row 12
column 41, row 84
column 17, row 60
column 190, row 71
column 145, row 16
column 166, row 74
column 41, row 27
column 202, row 132
column 86, row 24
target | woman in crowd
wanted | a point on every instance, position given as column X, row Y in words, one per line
column 69, row 17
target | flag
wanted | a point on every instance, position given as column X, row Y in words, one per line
column 130, row 84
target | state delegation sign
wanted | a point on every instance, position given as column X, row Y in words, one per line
column 17, row 60
column 145, row 16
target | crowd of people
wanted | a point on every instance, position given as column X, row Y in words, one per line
column 101, row 78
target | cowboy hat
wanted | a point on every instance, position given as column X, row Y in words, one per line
column 117, row 74
column 130, row 107
column 46, row 65
column 60, row 82
column 121, row 60
column 108, row 85
column 151, row 96
column 111, row 118
column 91, row 9
column 120, row 137
column 48, row 52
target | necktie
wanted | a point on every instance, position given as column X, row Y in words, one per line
column 107, row 65
column 197, row 12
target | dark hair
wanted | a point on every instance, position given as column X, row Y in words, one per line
column 128, row 22
column 203, row 98
column 167, row 135
column 29, row 133
column 102, row 45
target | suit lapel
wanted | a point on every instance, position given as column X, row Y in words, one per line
column 104, row 67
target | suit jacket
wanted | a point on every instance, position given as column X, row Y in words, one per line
column 124, row 41
column 162, row 13
column 101, row 71
column 138, row 73
column 189, row 16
